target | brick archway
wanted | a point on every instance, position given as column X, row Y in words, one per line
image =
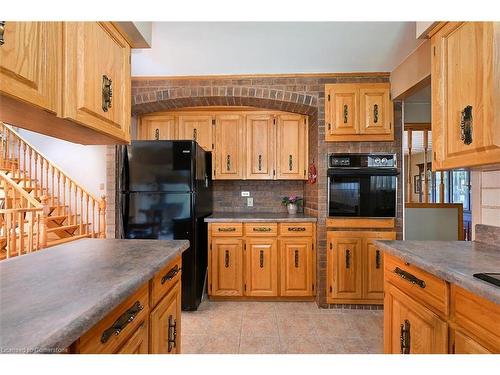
column 161, row 99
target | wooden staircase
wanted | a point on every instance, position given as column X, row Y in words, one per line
column 40, row 205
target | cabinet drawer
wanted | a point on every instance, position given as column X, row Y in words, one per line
column 102, row 338
column 296, row 229
column 261, row 229
column 164, row 280
column 227, row 229
column 419, row 284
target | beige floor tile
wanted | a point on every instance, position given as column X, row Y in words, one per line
column 335, row 326
column 296, row 324
column 194, row 323
column 340, row 345
column 300, row 345
column 224, row 323
column 259, row 345
column 375, row 346
column 193, row 344
column 260, row 307
column 222, row 345
column 297, row 307
column 354, row 346
column 259, row 325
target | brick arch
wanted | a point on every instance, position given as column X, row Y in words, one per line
column 162, row 99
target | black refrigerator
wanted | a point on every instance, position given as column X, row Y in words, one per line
column 165, row 192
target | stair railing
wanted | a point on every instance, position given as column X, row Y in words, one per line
column 67, row 197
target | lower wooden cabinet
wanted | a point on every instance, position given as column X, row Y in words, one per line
column 463, row 344
column 138, row 341
column 165, row 323
column 261, row 260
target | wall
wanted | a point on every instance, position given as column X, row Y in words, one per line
column 417, row 158
column 485, row 187
column 85, row 164
column 417, row 112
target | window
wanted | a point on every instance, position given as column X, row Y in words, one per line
column 460, row 192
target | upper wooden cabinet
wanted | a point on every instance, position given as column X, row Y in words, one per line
column 229, row 154
column 260, row 147
column 358, row 112
column 157, row 127
column 69, row 80
column 28, row 62
column 466, row 95
column 197, row 128
column 291, row 150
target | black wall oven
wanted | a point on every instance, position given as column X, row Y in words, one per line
column 362, row 185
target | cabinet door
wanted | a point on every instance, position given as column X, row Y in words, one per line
column 138, row 342
column 197, row 128
column 465, row 345
column 411, row 328
column 165, row 322
column 296, row 266
column 260, row 147
column 96, row 60
column 28, row 62
column 291, row 147
column 465, row 80
column 344, row 265
column 375, row 109
column 157, row 127
column 374, row 271
column 341, row 110
column 226, row 267
column 229, row 152
column 261, row 260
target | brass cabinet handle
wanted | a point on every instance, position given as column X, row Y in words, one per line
column 226, row 259
column 228, row 162
column 107, row 93
column 157, row 134
column 290, row 162
column 230, row 229
column 466, row 125
column 348, row 258
column 261, row 260
column 375, row 113
column 195, row 134
column 296, row 259
column 346, row 113
column 377, row 259
column 2, row 32
column 120, row 323
column 170, row 274
column 405, row 337
column 296, row 229
column 409, row 277
column 260, row 162
column 262, row 229
column 172, row 333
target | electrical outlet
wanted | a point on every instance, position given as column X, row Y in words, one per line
column 245, row 193
column 250, row 202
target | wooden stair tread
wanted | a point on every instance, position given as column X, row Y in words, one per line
column 57, row 217
column 63, row 227
column 67, row 239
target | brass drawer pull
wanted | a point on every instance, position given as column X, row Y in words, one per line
column 466, row 125
column 375, row 113
column 296, row 259
column 346, row 113
column 262, row 229
column 170, row 274
column 107, row 93
column 228, row 163
column 405, row 337
column 377, row 259
column 261, row 260
column 260, row 162
column 296, row 229
column 172, row 333
column 2, row 32
column 230, row 229
column 120, row 323
column 290, row 162
column 348, row 258
column 157, row 134
column 195, row 134
column 409, row 277
column 226, row 259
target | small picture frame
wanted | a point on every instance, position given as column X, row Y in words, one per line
column 417, row 184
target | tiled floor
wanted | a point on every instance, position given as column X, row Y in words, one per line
column 279, row 327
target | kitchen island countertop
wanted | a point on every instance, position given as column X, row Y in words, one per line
column 49, row 298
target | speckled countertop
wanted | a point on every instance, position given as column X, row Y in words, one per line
column 453, row 261
column 50, row 298
column 258, row 217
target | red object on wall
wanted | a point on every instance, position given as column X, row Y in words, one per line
column 312, row 174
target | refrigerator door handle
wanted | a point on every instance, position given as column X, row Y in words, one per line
column 124, row 172
column 125, row 213
column 206, row 180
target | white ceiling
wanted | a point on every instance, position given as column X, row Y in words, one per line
column 202, row 48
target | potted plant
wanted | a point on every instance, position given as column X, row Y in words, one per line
column 291, row 203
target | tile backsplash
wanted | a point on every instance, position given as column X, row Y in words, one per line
column 266, row 195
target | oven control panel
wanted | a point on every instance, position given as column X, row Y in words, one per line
column 386, row 161
column 362, row 161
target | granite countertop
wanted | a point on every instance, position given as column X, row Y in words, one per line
column 453, row 261
column 50, row 298
column 258, row 217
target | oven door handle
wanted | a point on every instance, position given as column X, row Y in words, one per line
column 328, row 196
column 362, row 172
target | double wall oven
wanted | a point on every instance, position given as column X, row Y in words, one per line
column 362, row 185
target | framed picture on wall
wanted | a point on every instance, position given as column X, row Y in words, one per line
column 417, row 182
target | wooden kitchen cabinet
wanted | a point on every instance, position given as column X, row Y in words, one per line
column 463, row 344
column 157, row 127
column 198, row 128
column 138, row 341
column 345, row 261
column 358, row 112
column 261, row 271
column 260, row 151
column 165, row 323
column 291, row 147
column 465, row 94
column 410, row 327
column 297, row 266
column 226, row 266
column 229, row 147
column 29, row 62
column 97, row 62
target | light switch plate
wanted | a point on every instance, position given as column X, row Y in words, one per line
column 250, row 202
column 245, row 193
